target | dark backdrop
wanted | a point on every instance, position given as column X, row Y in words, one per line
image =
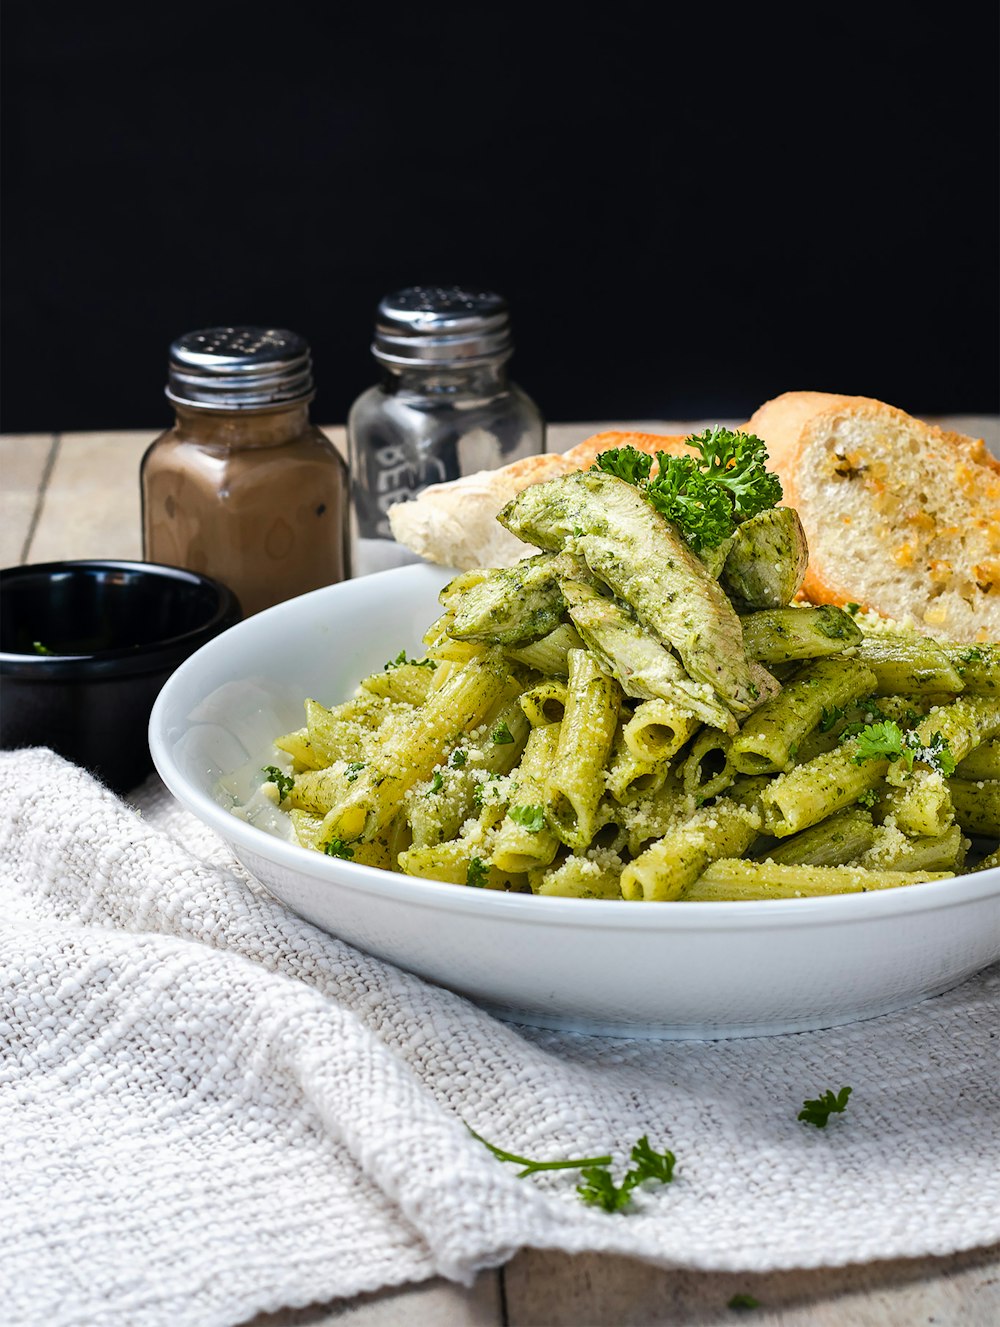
column 689, row 211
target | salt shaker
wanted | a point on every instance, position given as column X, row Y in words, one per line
column 444, row 407
column 244, row 488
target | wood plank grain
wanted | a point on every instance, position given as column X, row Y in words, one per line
column 90, row 508
column 25, row 459
column 597, row 1290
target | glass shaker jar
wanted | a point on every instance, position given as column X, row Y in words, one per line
column 444, row 407
column 243, row 487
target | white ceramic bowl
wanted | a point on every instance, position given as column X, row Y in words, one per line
column 639, row 969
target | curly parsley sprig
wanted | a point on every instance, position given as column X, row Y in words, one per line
column 599, row 1188
column 706, row 495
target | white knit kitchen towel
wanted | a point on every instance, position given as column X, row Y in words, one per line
column 210, row 1108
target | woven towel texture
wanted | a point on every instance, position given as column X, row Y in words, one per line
column 210, row 1108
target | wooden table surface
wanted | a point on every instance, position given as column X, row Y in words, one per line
column 76, row 495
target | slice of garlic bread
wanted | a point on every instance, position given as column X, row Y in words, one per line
column 901, row 517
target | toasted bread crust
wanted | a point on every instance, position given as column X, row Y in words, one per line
column 798, row 428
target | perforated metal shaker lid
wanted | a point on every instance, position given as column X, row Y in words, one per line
column 240, row 368
column 442, row 325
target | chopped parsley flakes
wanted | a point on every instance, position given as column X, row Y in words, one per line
column 531, row 818
column 283, row 782
column 338, row 848
column 478, row 873
column 401, row 659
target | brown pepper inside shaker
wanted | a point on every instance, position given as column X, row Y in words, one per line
column 243, row 487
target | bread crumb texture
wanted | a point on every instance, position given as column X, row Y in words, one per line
column 915, row 528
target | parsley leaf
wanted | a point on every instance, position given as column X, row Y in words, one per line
column 338, row 848
column 599, row 1188
column 887, row 741
column 39, row 648
column 284, row 782
column 458, row 758
column 878, row 741
column 401, row 659
column 683, row 494
column 626, row 463
column 478, row 873
column 651, row 1165
column 531, row 818
column 354, row 768
column 742, row 1301
column 738, row 461
column 853, row 608
column 501, row 735
column 819, row 1109
column 436, row 783
column 829, row 717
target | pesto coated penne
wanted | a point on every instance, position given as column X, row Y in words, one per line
column 908, row 664
column 981, row 763
column 459, row 863
column 412, row 751
column 728, row 879
column 922, row 805
column 782, row 635
column 767, row 561
column 978, row 666
column 407, row 682
column 817, row 789
column 892, row 850
column 575, row 782
column 707, row 769
column 769, row 740
column 658, row 729
column 578, row 877
column 627, row 777
column 963, row 725
column 544, row 703
column 838, row 841
column 669, row 866
column 652, row 815
column 977, row 805
column 524, row 839
column 550, row 654
column 437, row 810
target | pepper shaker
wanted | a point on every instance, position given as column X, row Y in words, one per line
column 444, row 407
column 244, row 488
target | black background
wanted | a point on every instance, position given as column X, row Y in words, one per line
column 689, row 211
